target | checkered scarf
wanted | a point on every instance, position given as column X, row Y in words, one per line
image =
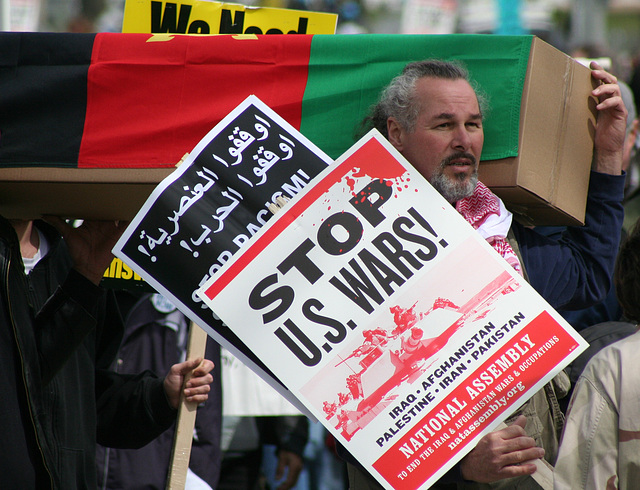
column 487, row 214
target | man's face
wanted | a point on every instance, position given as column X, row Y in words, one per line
column 446, row 142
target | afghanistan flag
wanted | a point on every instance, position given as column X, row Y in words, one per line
column 139, row 100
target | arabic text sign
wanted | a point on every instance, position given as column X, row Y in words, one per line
column 391, row 319
column 206, row 210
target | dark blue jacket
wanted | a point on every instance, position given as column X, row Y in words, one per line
column 575, row 270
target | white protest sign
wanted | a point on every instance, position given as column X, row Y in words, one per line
column 389, row 317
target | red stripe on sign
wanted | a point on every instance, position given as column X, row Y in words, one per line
column 151, row 99
column 458, row 420
column 371, row 159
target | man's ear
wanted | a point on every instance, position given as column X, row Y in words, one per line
column 395, row 132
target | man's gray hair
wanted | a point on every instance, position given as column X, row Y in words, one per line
column 398, row 99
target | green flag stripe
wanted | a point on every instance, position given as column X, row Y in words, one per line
column 347, row 72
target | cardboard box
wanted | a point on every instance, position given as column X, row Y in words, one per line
column 547, row 183
column 25, row 193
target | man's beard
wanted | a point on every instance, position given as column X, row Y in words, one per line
column 457, row 187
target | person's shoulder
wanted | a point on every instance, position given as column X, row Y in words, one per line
column 628, row 345
column 614, row 355
column 608, row 332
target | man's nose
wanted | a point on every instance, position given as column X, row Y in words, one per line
column 461, row 138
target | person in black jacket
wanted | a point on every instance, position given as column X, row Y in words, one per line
column 59, row 333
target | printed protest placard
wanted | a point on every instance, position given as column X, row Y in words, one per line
column 204, row 17
column 205, row 211
column 391, row 319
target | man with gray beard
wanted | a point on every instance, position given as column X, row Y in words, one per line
column 432, row 114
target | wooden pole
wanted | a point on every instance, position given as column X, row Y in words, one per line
column 544, row 474
column 186, row 419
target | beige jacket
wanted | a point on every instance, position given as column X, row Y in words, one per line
column 601, row 437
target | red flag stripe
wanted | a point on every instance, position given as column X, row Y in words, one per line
column 150, row 99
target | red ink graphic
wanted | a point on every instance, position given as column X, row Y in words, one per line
column 390, row 357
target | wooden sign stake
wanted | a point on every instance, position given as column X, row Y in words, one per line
column 185, row 422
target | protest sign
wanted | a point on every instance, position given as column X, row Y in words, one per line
column 390, row 318
column 203, row 212
column 429, row 17
column 204, row 17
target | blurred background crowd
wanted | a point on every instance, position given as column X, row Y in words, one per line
column 610, row 26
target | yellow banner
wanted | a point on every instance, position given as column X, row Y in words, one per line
column 204, row 17
column 120, row 276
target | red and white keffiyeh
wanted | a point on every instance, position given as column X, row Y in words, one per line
column 487, row 214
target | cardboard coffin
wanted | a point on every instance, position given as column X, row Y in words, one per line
column 94, row 122
column 86, row 193
column 547, row 183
